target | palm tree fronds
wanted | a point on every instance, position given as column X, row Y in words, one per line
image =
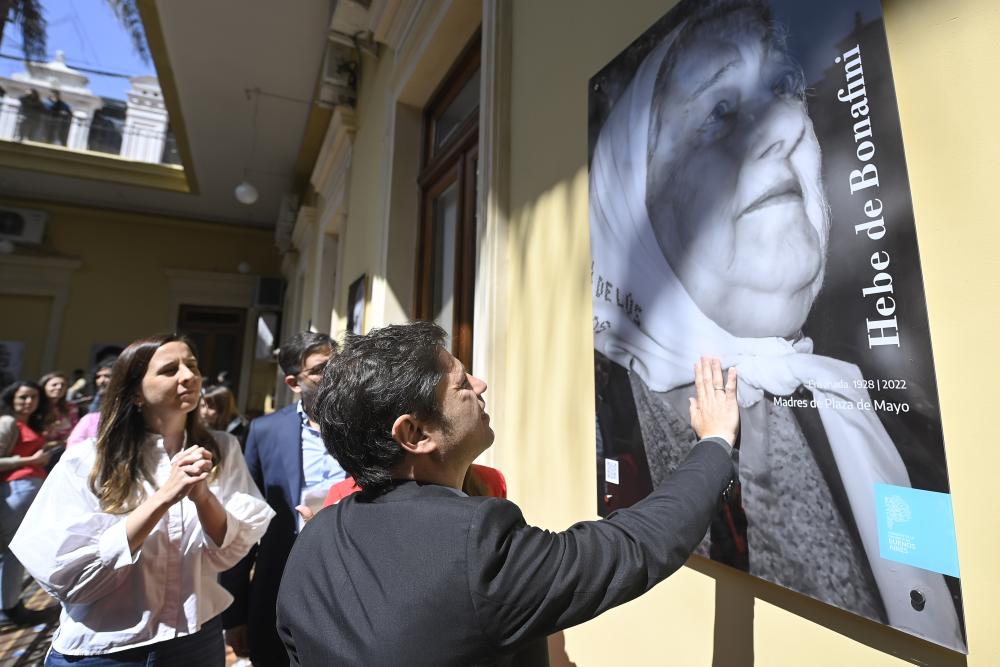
column 127, row 12
column 29, row 17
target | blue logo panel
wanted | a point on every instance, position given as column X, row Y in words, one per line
column 916, row 528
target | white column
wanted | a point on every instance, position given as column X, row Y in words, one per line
column 10, row 108
column 79, row 129
column 145, row 121
column 142, row 140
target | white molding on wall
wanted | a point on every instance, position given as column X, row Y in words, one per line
column 414, row 27
column 332, row 179
column 331, row 174
column 304, row 241
column 289, row 265
column 422, row 29
column 489, row 343
column 391, row 20
column 339, row 287
column 208, row 288
column 45, row 277
column 425, row 52
column 305, row 229
column 376, row 306
column 214, row 288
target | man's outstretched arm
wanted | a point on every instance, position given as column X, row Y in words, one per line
column 527, row 582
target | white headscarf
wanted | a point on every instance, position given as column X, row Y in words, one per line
column 662, row 343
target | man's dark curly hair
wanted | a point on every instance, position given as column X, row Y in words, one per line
column 377, row 377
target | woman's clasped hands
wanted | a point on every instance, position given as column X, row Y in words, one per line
column 189, row 471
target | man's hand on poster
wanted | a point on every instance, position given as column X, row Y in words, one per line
column 714, row 411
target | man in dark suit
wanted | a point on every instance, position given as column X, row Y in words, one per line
column 411, row 571
column 291, row 466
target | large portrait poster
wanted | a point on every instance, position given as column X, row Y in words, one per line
column 749, row 200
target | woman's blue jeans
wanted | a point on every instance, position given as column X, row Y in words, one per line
column 15, row 498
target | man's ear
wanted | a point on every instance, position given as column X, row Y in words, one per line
column 408, row 432
column 293, row 383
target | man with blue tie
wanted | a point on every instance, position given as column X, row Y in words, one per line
column 291, row 465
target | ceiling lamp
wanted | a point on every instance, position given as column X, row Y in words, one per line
column 246, row 193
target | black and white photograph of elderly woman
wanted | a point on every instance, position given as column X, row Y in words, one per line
column 749, row 200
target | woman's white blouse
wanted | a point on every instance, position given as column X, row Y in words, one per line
column 111, row 599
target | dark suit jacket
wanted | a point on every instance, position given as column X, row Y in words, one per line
column 274, row 458
column 425, row 576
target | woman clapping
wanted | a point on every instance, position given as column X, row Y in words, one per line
column 131, row 528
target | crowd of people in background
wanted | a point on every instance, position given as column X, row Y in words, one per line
column 155, row 402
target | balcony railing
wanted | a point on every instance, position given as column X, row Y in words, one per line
column 98, row 133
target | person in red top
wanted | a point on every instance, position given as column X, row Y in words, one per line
column 479, row 481
column 23, row 458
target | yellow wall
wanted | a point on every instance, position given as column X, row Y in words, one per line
column 120, row 292
column 366, row 209
column 945, row 62
column 380, row 236
column 26, row 318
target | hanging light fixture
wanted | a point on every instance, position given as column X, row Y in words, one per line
column 246, row 192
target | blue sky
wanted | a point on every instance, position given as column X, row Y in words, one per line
column 88, row 32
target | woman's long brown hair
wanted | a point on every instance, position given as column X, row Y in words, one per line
column 52, row 412
column 118, row 472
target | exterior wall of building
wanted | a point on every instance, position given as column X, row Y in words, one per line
column 115, row 295
column 26, row 318
column 366, row 200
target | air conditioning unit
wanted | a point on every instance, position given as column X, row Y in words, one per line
column 22, row 225
column 339, row 84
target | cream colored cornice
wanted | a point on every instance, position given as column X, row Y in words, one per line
column 168, row 86
column 389, row 20
column 91, row 165
column 18, row 262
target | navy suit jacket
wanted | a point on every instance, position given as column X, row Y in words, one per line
column 274, row 458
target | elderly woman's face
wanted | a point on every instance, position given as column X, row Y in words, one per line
column 733, row 184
